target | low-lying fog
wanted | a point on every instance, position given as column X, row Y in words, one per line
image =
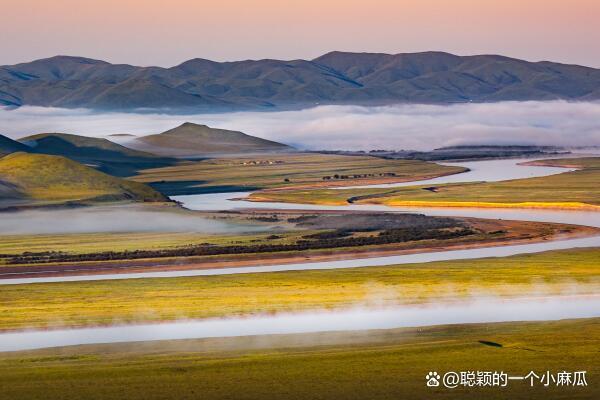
column 359, row 318
column 418, row 127
column 113, row 219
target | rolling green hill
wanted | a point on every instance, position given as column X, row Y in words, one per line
column 99, row 153
column 8, row 146
column 191, row 139
column 47, row 178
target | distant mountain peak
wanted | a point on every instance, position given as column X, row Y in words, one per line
column 69, row 59
column 190, row 139
column 189, row 125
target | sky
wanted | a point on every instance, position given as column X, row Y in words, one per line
column 166, row 33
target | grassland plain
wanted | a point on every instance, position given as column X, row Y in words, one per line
column 286, row 170
column 572, row 190
column 81, row 243
column 388, row 364
column 143, row 300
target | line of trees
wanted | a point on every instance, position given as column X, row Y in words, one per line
column 325, row 241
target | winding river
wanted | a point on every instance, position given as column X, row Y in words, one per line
column 552, row 308
column 496, row 169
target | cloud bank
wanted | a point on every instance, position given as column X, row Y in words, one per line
column 419, row 127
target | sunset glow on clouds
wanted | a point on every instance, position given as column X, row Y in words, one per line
column 155, row 32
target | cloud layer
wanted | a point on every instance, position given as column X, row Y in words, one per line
column 420, row 127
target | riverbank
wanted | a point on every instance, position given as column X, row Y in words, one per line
column 477, row 204
column 574, row 190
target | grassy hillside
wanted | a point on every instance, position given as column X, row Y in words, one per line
column 567, row 190
column 287, row 170
column 8, row 146
column 192, row 139
column 102, row 154
column 53, row 178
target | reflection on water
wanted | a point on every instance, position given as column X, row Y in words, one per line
column 477, row 311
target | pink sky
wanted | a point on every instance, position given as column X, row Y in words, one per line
column 167, row 32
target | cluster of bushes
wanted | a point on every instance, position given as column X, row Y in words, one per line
column 328, row 235
column 324, row 241
column 374, row 222
column 357, row 176
column 273, row 218
column 302, row 218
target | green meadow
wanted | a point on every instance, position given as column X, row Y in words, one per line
column 285, row 170
column 388, row 364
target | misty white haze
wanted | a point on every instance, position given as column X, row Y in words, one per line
column 479, row 309
column 418, row 127
column 115, row 219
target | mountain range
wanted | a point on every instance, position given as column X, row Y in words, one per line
column 334, row 78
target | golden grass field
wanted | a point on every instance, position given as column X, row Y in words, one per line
column 299, row 169
column 80, row 243
column 143, row 300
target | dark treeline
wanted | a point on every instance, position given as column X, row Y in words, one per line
column 375, row 222
column 323, row 242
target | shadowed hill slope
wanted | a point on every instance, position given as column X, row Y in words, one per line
column 8, row 146
column 102, row 154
